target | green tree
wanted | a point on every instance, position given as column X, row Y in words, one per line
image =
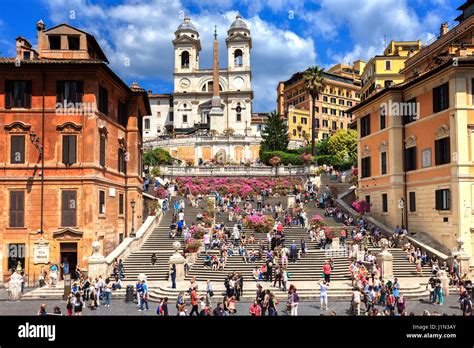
column 274, row 134
column 157, row 157
column 314, row 84
column 343, row 145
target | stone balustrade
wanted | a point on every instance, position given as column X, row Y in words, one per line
column 226, row 171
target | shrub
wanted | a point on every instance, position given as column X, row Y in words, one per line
column 192, row 246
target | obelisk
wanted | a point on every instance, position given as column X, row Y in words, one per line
column 216, row 111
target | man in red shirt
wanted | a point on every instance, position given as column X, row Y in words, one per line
column 255, row 310
column 194, row 302
column 327, row 271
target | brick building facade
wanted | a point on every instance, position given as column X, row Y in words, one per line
column 70, row 130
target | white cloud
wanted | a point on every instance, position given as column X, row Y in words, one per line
column 141, row 34
column 370, row 22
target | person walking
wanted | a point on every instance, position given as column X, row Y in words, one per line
column 153, row 259
column 144, row 297
column 356, row 297
column 294, row 301
column 323, row 294
column 194, row 303
column 78, row 304
column 327, row 271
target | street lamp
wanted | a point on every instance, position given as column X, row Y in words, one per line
column 35, row 140
column 132, row 232
column 401, row 206
column 212, row 179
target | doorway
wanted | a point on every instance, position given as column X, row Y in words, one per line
column 68, row 251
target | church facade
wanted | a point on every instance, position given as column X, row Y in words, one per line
column 212, row 108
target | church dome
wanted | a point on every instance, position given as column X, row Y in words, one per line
column 187, row 25
column 238, row 23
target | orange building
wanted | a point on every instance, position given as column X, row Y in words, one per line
column 340, row 94
column 416, row 142
column 70, row 164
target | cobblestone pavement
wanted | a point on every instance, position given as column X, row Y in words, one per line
column 120, row 307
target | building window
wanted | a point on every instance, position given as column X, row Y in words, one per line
column 17, row 94
column 410, row 111
column 17, row 209
column 442, row 151
column 147, row 123
column 121, row 205
column 16, row 254
column 17, row 149
column 325, row 123
column 69, row 92
column 294, row 119
column 342, row 125
column 68, row 208
column 383, row 161
column 443, row 199
column 102, row 151
column 367, row 200
column 334, row 125
column 122, row 166
column 388, row 83
column 365, row 167
column 383, row 118
column 412, row 201
column 101, row 202
column 171, row 117
column 341, row 102
column 410, row 158
column 388, row 65
column 384, row 203
column 365, row 126
column 73, row 42
column 239, row 117
column 185, row 59
column 325, row 110
column 333, row 112
column 349, row 103
column 341, row 113
column 325, row 135
column 54, row 42
column 122, row 114
column 294, row 132
column 441, row 98
column 185, row 118
column 103, row 100
column 333, row 100
column 69, row 149
column 325, row 98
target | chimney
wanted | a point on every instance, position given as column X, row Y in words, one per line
column 41, row 27
column 443, row 30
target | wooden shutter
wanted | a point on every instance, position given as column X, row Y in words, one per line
column 60, row 92
column 102, row 151
column 79, row 91
column 439, row 199
column 65, row 149
column 17, row 145
column 17, row 209
column 8, row 94
column 28, row 89
column 64, row 209
column 437, row 152
column 121, row 204
column 412, row 198
column 101, row 202
column 72, row 149
column 68, row 208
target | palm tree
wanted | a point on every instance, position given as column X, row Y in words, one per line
column 314, row 84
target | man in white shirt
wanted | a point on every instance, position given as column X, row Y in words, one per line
column 323, row 294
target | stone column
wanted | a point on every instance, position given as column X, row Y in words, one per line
column 385, row 261
column 291, row 201
column 443, row 276
column 178, row 260
column 97, row 263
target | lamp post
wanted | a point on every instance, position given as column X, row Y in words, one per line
column 212, row 179
column 132, row 232
column 401, row 206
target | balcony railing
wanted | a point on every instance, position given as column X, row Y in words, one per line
column 217, row 171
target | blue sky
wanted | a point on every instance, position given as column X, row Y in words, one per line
column 288, row 36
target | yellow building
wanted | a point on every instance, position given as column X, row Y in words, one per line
column 383, row 71
column 350, row 71
column 299, row 125
column 341, row 93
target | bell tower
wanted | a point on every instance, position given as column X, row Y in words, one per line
column 239, row 44
column 186, row 47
